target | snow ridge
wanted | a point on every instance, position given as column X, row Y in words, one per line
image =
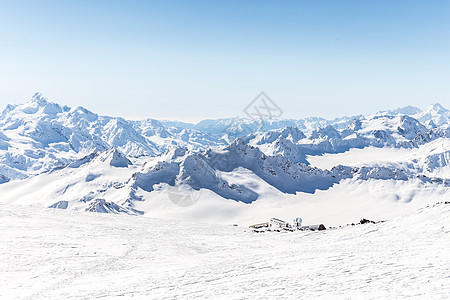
column 72, row 158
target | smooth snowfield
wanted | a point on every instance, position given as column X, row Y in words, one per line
column 62, row 254
column 423, row 158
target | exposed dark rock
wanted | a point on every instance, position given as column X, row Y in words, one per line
column 364, row 221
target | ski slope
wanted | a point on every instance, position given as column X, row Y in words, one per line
column 63, row 254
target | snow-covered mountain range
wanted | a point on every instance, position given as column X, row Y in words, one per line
column 231, row 169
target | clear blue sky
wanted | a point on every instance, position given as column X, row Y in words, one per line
column 205, row 59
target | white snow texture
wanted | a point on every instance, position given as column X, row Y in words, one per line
column 96, row 206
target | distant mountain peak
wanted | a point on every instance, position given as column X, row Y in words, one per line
column 39, row 99
column 292, row 133
column 115, row 158
column 436, row 108
column 39, row 103
column 405, row 110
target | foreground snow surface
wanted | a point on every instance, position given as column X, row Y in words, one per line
column 60, row 254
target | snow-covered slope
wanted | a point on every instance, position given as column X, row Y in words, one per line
column 224, row 170
column 39, row 135
column 93, row 183
column 433, row 114
column 66, row 255
column 236, row 184
column 399, row 131
column 430, row 159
